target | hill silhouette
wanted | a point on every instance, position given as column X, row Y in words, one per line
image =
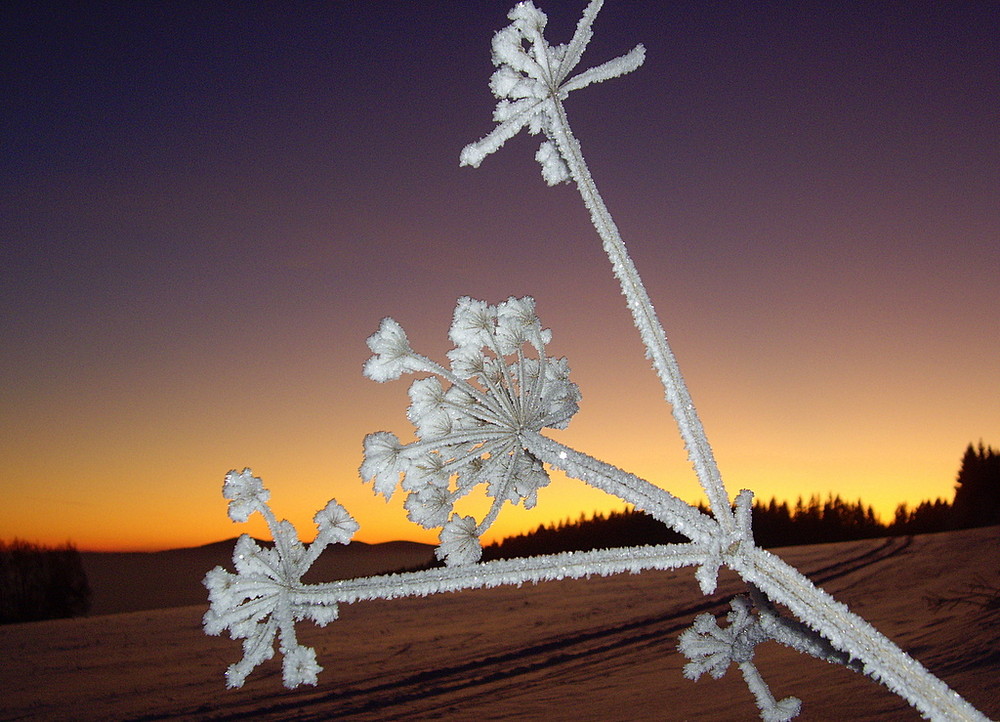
column 134, row 581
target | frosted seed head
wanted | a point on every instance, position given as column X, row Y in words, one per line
column 335, row 524
column 517, row 323
column 467, row 362
column 534, row 74
column 520, row 311
column 469, row 433
column 383, row 462
column 459, row 542
column 510, row 337
column 504, row 81
column 527, row 18
column 462, row 407
column 299, row 667
column 427, row 403
column 429, row 507
column 472, row 323
column 246, row 494
column 435, row 425
column 554, row 168
column 539, row 123
column 426, row 469
column 250, row 559
column 392, row 352
column 530, row 477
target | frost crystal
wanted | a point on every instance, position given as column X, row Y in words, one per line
column 391, row 351
column 334, row 524
column 500, row 385
column 460, row 541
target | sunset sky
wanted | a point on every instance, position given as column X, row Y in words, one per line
column 205, row 209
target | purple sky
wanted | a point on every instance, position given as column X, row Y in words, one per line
column 206, row 209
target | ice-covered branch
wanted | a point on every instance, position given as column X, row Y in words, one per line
column 506, row 572
column 531, row 95
column 658, row 503
column 266, row 597
column 879, row 657
column 796, row 635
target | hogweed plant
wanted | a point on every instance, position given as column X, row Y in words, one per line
column 478, row 424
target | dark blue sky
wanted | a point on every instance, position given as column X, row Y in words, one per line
column 208, row 207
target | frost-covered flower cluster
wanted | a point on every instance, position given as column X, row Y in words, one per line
column 259, row 601
column 478, row 423
column 712, row 649
column 246, row 494
column 531, row 78
column 469, row 429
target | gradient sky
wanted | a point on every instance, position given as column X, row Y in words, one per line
column 205, row 209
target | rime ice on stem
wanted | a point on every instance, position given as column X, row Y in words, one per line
column 531, row 84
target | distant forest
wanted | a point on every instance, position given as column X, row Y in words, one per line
column 976, row 503
column 39, row 582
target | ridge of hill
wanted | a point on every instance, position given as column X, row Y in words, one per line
column 135, row 581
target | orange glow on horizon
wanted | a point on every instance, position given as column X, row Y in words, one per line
column 96, row 486
column 123, row 527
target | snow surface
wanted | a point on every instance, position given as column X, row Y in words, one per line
column 603, row 648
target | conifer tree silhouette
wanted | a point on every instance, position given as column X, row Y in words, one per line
column 977, row 489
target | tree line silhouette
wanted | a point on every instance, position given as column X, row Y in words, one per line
column 38, row 582
column 977, row 494
column 812, row 521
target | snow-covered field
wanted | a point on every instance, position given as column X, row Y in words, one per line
column 603, row 648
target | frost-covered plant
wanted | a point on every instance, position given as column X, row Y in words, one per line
column 257, row 603
column 479, row 422
column 470, row 433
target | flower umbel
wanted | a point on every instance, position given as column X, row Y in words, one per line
column 530, row 81
column 712, row 648
column 500, row 385
column 259, row 601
